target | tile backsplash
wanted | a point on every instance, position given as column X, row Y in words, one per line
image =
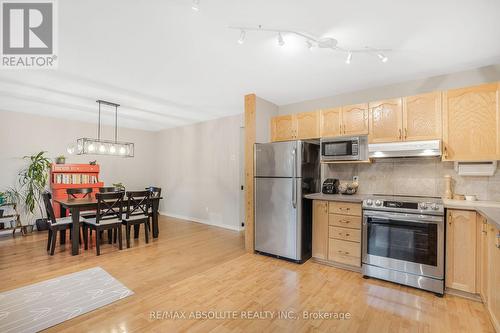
column 412, row 176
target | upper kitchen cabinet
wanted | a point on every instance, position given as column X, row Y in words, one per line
column 355, row 119
column 298, row 126
column 307, row 125
column 347, row 120
column 386, row 120
column 330, row 122
column 422, row 117
column 283, row 128
column 471, row 123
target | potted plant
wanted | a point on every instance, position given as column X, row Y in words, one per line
column 61, row 159
column 119, row 186
column 33, row 181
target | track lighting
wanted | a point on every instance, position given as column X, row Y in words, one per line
column 242, row 37
column 382, row 57
column 281, row 42
column 348, row 59
column 312, row 42
column 196, row 5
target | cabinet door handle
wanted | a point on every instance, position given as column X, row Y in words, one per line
column 340, row 130
column 344, row 129
column 326, row 207
column 406, row 133
column 344, row 208
column 400, row 134
column 343, row 252
column 344, row 221
column 445, row 151
column 347, row 235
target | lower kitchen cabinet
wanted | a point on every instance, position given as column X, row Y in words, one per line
column 493, row 275
column 320, row 230
column 473, row 258
column 461, row 250
column 337, row 233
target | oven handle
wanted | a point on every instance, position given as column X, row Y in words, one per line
column 403, row 217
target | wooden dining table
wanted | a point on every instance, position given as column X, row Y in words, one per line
column 77, row 205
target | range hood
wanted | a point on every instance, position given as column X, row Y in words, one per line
column 405, row 149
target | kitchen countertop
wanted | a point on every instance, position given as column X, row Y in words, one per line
column 489, row 209
column 337, row 197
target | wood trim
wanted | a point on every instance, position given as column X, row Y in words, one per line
column 444, row 123
column 250, row 133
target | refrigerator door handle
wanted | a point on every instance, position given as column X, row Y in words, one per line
column 294, row 176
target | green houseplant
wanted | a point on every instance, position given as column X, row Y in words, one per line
column 61, row 159
column 33, row 181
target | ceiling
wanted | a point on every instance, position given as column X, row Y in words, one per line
column 168, row 65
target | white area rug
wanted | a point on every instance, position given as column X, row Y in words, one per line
column 41, row 305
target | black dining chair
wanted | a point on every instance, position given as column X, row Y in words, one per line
column 74, row 193
column 55, row 224
column 108, row 217
column 110, row 189
column 138, row 206
column 155, row 192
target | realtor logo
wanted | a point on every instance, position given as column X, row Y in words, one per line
column 28, row 34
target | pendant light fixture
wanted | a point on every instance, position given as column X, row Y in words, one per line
column 88, row 146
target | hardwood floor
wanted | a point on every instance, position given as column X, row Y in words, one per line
column 194, row 267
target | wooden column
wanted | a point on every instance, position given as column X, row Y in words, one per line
column 249, row 143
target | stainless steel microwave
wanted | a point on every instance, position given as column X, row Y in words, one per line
column 348, row 148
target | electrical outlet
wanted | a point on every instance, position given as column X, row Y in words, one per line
column 355, row 179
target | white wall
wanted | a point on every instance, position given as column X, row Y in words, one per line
column 26, row 134
column 264, row 111
column 443, row 82
column 199, row 171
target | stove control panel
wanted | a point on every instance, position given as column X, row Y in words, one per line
column 417, row 205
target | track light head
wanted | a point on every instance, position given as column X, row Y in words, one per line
column 196, row 5
column 382, row 57
column 281, row 42
column 242, row 37
column 349, row 58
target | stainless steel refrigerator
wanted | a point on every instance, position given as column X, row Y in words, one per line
column 283, row 173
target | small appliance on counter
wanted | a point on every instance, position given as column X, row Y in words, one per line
column 348, row 188
column 330, row 186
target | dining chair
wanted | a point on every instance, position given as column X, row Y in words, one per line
column 108, row 217
column 110, row 189
column 155, row 192
column 55, row 224
column 138, row 206
column 74, row 193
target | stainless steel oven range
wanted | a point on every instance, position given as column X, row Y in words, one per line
column 403, row 241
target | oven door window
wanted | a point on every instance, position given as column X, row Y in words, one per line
column 339, row 148
column 403, row 240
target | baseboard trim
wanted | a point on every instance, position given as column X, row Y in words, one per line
column 463, row 294
column 202, row 221
column 336, row 264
